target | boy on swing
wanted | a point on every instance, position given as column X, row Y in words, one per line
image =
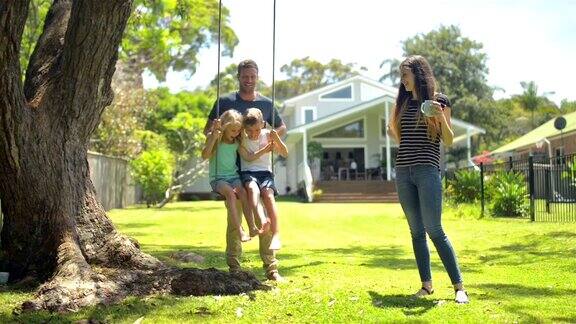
column 256, row 174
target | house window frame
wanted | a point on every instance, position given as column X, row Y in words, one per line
column 303, row 110
column 350, row 85
column 363, row 138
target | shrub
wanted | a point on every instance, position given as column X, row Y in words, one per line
column 317, row 194
column 570, row 175
column 508, row 193
column 153, row 171
column 465, row 187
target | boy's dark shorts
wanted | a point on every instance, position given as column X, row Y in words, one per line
column 264, row 179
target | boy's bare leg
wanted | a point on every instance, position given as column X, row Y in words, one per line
column 248, row 214
column 270, row 205
column 230, row 196
column 253, row 198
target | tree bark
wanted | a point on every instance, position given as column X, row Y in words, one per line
column 54, row 227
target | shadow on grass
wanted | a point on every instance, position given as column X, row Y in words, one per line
column 562, row 234
column 129, row 310
column 531, row 250
column 389, row 257
column 510, row 292
column 409, row 305
column 514, row 290
column 189, row 209
column 213, row 256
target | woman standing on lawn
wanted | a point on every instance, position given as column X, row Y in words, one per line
column 418, row 167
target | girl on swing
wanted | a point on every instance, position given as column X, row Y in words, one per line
column 222, row 147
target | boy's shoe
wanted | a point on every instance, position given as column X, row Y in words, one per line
column 275, row 243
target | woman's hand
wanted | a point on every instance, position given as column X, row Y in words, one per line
column 438, row 109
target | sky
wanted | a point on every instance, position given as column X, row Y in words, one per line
column 524, row 40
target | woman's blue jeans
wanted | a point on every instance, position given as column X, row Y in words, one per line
column 420, row 194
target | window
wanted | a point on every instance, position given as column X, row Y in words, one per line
column 352, row 130
column 342, row 93
column 308, row 114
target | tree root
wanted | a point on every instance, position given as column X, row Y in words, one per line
column 108, row 286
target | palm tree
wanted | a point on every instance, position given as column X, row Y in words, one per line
column 393, row 74
column 530, row 99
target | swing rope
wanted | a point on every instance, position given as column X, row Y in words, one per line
column 273, row 74
column 218, row 80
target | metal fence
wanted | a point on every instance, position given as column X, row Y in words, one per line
column 550, row 184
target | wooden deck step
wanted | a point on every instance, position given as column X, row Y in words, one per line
column 357, row 191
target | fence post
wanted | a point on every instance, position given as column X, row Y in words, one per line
column 482, row 187
column 547, row 174
column 510, row 164
column 531, row 186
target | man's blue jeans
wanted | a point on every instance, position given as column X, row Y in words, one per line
column 420, row 194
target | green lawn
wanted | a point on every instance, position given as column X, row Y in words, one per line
column 351, row 263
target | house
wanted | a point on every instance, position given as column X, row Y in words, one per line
column 543, row 140
column 348, row 119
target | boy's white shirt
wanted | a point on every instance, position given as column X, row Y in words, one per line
column 264, row 162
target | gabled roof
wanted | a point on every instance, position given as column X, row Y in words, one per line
column 472, row 129
column 389, row 90
column 546, row 130
column 343, row 113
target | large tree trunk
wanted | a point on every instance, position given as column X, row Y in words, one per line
column 54, row 227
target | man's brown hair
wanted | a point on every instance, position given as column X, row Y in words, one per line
column 247, row 64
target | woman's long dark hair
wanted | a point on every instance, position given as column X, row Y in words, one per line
column 425, row 88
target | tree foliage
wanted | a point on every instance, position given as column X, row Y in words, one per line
column 393, row 74
column 540, row 108
column 458, row 62
column 161, row 35
column 459, row 65
column 179, row 119
column 168, row 34
column 305, row 74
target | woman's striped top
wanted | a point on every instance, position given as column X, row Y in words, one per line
column 416, row 147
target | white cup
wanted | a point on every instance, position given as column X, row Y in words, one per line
column 427, row 108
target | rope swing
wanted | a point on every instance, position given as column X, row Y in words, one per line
column 273, row 76
column 218, row 78
column 273, row 71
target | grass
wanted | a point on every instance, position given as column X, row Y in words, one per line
column 350, row 263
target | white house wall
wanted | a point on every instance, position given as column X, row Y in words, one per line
column 371, row 142
column 360, row 91
column 369, row 92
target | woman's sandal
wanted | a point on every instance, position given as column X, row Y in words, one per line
column 424, row 292
column 461, row 296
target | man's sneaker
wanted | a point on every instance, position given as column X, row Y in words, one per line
column 275, row 276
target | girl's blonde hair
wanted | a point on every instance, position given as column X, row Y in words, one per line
column 425, row 88
column 253, row 116
column 231, row 118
